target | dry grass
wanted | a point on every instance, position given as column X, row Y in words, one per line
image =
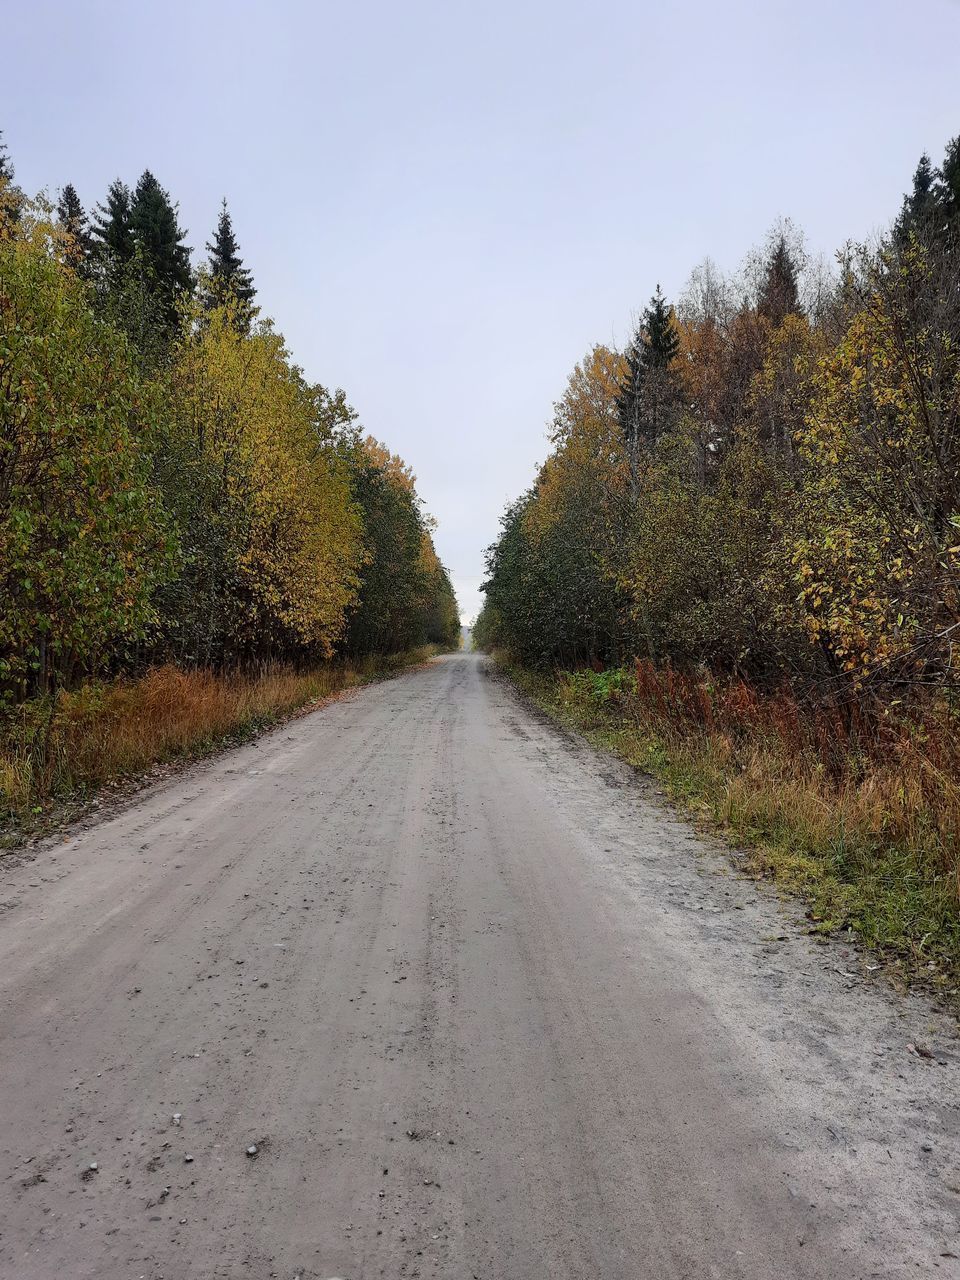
column 80, row 740
column 860, row 815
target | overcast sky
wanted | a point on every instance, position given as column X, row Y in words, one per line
column 445, row 204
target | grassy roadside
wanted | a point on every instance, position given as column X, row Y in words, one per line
column 873, row 853
column 56, row 754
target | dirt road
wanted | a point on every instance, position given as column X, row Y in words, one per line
column 481, row 1005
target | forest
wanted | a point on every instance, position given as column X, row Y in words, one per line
column 740, row 562
column 179, row 504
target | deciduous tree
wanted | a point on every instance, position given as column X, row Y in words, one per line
column 84, row 538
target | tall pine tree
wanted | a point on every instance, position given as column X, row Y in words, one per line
column 111, row 230
column 948, row 185
column 779, row 293
column 660, row 341
column 72, row 218
column 228, row 277
column 921, row 206
column 649, row 391
column 6, row 164
column 931, row 211
column 11, row 197
column 158, row 239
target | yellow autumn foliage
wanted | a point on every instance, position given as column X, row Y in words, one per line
column 874, row 561
column 281, row 495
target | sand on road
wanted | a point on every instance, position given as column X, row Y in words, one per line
column 483, row 1006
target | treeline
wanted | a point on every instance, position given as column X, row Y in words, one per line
column 172, row 487
column 765, row 485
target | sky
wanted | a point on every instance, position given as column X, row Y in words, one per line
column 445, row 205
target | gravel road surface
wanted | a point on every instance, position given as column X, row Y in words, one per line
column 418, row 986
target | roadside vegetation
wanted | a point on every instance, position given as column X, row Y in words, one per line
column 740, row 567
column 194, row 538
column 58, row 752
column 871, row 847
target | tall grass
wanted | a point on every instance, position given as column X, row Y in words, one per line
column 858, row 811
column 76, row 741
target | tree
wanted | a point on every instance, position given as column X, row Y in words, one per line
column 143, row 267
column 111, row 230
column 73, row 220
column 272, row 540
column 11, row 197
column 84, row 538
column 171, row 486
column 660, row 342
column 388, row 615
column 554, row 588
column 779, row 292
column 227, row 274
column 720, row 344
column 581, row 515
column 158, row 237
column 513, row 611
column 649, row 388
column 948, row 184
column 441, row 616
column 921, row 207
column 782, row 388
column 7, row 173
column 877, row 558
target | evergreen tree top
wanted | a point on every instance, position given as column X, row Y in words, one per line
column 224, row 251
column 157, row 233
column 923, row 177
column 11, row 197
column 660, row 341
column 948, row 186
column 921, row 205
column 69, row 209
column 73, row 219
column 649, row 388
column 111, row 222
column 228, row 275
column 7, row 172
column 932, row 209
column 139, row 241
column 779, row 293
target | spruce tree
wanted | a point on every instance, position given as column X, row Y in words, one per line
column 11, row 197
column 948, row 185
column 629, row 402
column 111, row 230
column 649, row 391
column 920, row 206
column 931, row 211
column 72, row 218
column 6, row 165
column 158, row 239
column 227, row 274
column 659, row 338
column 779, row 293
